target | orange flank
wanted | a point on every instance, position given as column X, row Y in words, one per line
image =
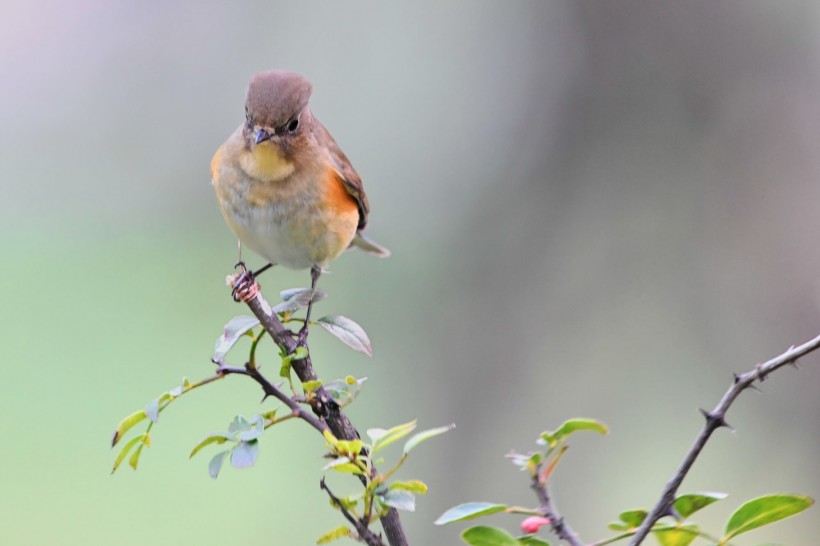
column 215, row 163
column 337, row 197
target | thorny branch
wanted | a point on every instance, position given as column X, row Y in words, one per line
column 716, row 419
column 328, row 413
column 547, row 508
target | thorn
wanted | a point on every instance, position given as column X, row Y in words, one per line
column 264, row 397
column 754, row 387
column 719, row 421
column 795, row 364
column 761, row 374
column 674, row 513
column 735, row 378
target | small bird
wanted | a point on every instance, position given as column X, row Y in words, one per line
column 285, row 187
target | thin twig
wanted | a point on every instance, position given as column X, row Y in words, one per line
column 369, row 537
column 271, row 390
column 716, row 419
column 547, row 508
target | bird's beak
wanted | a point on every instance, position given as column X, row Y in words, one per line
column 262, row 135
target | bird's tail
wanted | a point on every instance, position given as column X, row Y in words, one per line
column 369, row 245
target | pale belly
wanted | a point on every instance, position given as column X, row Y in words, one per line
column 297, row 235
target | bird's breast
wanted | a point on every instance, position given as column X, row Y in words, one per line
column 304, row 219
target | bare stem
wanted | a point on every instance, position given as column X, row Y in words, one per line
column 367, row 536
column 716, row 419
column 547, row 508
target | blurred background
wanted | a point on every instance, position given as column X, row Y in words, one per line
column 595, row 209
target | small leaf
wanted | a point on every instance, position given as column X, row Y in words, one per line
column 688, row 504
column 519, row 459
column 216, row 463
column 344, row 391
column 244, row 454
column 135, row 457
column 176, row 391
column 349, row 447
column 350, row 333
column 763, row 511
column 152, row 410
column 234, row 330
column 569, row 427
column 413, row 486
column 218, row 438
column 310, row 386
column 337, row 533
column 343, row 465
column 126, row 424
column 633, row 518
column 294, row 299
column 416, row 439
column 256, row 427
column 531, row 540
column 677, row 536
column 400, row 500
column 469, row 510
column 391, row 435
column 239, row 424
column 126, row 449
column 483, row 535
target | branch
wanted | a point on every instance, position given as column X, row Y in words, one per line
column 561, row 528
column 369, row 537
column 271, row 390
column 716, row 419
column 322, row 404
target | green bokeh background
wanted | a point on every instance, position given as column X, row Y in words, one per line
column 596, row 209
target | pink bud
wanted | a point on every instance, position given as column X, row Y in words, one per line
column 533, row 523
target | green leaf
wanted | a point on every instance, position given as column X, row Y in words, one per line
column 413, row 486
column 386, row 437
column 469, row 510
column 217, row 438
column 126, row 424
column 244, row 454
column 234, row 330
column 632, row 519
column 677, row 536
column 126, row 449
column 688, row 504
column 532, row 540
column 310, row 386
column 569, row 427
column 344, row 391
column 135, row 457
column 350, row 333
column 294, row 299
column 216, row 463
column 298, row 354
column 337, row 533
column 344, row 465
column 400, row 500
column 256, row 426
column 763, row 511
column 483, row 535
column 416, row 439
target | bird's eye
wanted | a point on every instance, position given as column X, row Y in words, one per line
column 293, row 125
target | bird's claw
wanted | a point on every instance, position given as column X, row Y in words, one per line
column 245, row 288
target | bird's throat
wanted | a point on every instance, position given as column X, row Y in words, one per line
column 266, row 163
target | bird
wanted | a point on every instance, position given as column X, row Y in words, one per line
column 284, row 186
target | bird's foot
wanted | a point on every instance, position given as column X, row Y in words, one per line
column 244, row 287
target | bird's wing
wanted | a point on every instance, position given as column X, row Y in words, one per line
column 345, row 172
